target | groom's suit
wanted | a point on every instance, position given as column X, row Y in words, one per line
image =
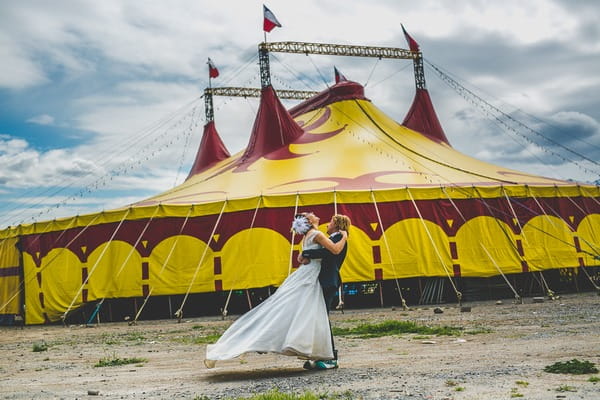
column 329, row 277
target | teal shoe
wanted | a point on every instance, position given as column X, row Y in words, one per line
column 326, row 364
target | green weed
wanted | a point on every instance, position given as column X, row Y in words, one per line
column 114, row 361
column 566, row 388
column 201, row 339
column 478, row 330
column 574, row 366
column 41, row 346
column 594, row 379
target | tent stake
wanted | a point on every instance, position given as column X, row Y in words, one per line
column 248, row 297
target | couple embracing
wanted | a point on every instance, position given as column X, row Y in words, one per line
column 294, row 321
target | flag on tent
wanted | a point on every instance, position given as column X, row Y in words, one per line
column 339, row 77
column 412, row 43
column 213, row 72
column 270, row 21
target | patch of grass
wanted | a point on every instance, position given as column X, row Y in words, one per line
column 41, row 346
column 594, row 379
column 134, row 337
column 113, row 339
column 566, row 388
column 522, row 383
column 451, row 383
column 275, row 394
column 573, row 366
column 392, row 327
column 114, row 361
column 478, row 330
column 200, row 339
column 109, row 339
column 459, row 389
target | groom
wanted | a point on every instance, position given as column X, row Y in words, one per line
column 329, row 278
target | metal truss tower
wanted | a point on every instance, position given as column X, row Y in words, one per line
column 338, row 50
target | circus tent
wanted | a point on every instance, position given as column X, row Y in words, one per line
column 419, row 208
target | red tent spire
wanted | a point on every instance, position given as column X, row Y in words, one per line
column 273, row 127
column 422, row 117
column 211, row 150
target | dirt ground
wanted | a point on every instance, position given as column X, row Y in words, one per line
column 504, row 360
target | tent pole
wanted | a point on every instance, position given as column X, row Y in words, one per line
column 170, row 307
column 179, row 312
column 381, row 293
column 387, row 246
column 437, row 252
column 224, row 310
column 164, row 264
column 293, row 236
column 64, row 316
column 335, row 209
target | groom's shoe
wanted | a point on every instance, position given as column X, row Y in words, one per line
column 326, row 364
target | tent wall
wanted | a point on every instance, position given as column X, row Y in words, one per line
column 174, row 252
column 10, row 277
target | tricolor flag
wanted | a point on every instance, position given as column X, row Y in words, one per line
column 213, row 72
column 412, row 44
column 339, row 77
column 270, row 20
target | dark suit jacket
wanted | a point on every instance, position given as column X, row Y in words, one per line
column 329, row 277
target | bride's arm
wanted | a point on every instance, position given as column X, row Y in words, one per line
column 334, row 248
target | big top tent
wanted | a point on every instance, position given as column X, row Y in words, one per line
column 419, row 209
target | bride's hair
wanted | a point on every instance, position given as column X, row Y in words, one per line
column 300, row 224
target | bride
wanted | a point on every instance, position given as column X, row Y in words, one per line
column 293, row 321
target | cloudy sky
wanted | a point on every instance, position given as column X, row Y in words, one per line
column 100, row 100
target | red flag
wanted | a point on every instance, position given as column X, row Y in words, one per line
column 412, row 44
column 339, row 77
column 270, row 21
column 213, row 72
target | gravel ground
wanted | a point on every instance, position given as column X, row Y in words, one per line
column 505, row 360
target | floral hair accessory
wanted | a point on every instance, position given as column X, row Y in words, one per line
column 300, row 224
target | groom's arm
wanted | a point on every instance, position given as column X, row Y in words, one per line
column 316, row 253
column 323, row 252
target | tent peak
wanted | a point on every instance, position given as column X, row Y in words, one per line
column 343, row 90
column 273, row 127
column 211, row 150
column 421, row 117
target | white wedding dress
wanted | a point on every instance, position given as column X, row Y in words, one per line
column 293, row 321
